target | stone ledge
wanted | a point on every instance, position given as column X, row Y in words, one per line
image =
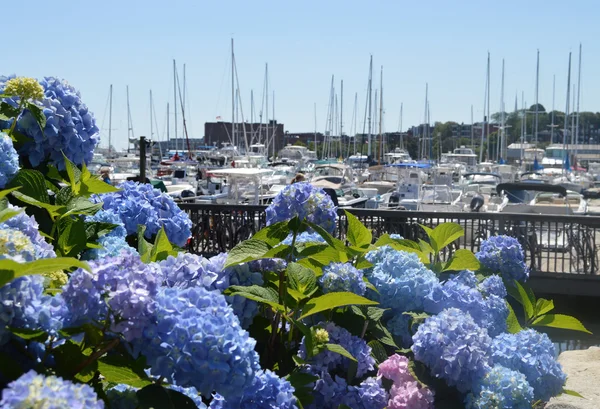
column 583, row 376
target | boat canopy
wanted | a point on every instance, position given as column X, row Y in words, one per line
column 466, row 175
column 537, row 187
column 410, row 165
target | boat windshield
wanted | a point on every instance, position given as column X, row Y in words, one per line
column 328, row 171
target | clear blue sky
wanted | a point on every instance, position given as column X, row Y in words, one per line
column 96, row 43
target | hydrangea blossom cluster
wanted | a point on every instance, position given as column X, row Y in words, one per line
column 123, row 286
column 141, row 204
column 304, row 237
column 112, row 217
column 342, row 277
column 196, row 340
column 37, row 391
column 70, row 127
column 24, row 305
column 330, row 392
column 28, row 226
column 187, row 270
column 306, row 202
column 111, row 247
column 327, row 360
column 405, row 392
column 16, row 246
column 268, row 391
column 25, row 88
column 504, row 255
column 531, row 353
column 401, row 278
column 501, row 388
column 460, row 291
column 454, row 348
column 124, row 396
column 9, row 160
column 493, row 285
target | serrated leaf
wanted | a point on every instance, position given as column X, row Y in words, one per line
column 329, row 239
column 38, row 114
column 560, row 321
column 94, row 230
column 53, row 210
column 382, row 334
column 333, row 300
column 256, row 293
column 8, row 111
column 121, row 369
column 6, row 192
column 82, row 206
column 71, row 236
column 144, row 248
column 378, row 351
column 462, row 259
column 446, row 233
column 512, row 323
column 30, row 334
column 338, row 349
column 327, row 255
column 95, row 186
column 298, row 378
column 162, row 248
column 10, row 269
column 32, row 183
column 246, row 251
column 273, row 234
column 301, row 278
column 543, row 306
column 375, row 313
column 358, row 234
column 519, row 293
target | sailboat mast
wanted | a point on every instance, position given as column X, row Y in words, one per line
column 537, row 87
column 400, row 127
column 502, row 132
column 353, row 130
column 233, row 136
column 130, row 133
column 472, row 129
column 488, row 106
column 315, row 110
column 110, row 121
column 175, row 102
column 380, row 116
column 274, row 125
column 487, row 80
column 565, row 152
column 267, row 107
column 523, row 127
column 252, row 116
column 341, row 114
column 425, row 123
column 168, row 135
column 369, row 97
column 151, row 119
column 578, row 100
column 552, row 116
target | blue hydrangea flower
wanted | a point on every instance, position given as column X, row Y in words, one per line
column 112, row 246
column 342, row 277
column 37, row 391
column 401, row 278
column 531, row 353
column 398, row 325
column 454, row 348
column 501, row 388
column 112, row 217
column 196, row 340
column 124, row 396
column 326, row 360
column 70, row 128
column 493, row 285
column 123, row 286
column 9, row 160
column 16, row 246
column 306, row 202
column 268, row 391
column 304, row 237
column 504, row 255
column 141, row 204
column 187, row 270
column 490, row 313
column 24, row 305
column 330, row 392
column 264, row 265
column 28, row 226
column 242, row 274
column 396, row 237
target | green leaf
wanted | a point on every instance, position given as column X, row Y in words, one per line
column 519, row 293
column 512, row 323
column 69, row 357
column 560, row 321
column 181, row 401
column 94, row 230
column 64, row 196
column 9, row 213
column 358, row 234
column 273, row 234
column 429, row 231
column 257, row 293
column 144, row 248
column 162, row 247
column 572, row 393
column 246, row 251
column 6, row 192
column 425, row 247
column 53, row 210
column 382, row 334
column 38, row 114
column 154, row 396
column 32, row 183
column 7, row 111
column 123, row 369
column 329, row 239
column 446, row 233
column 73, row 176
column 30, row 334
column 10, row 269
column 338, row 349
column 71, row 236
column 333, row 300
column 462, row 259
column 375, row 313
column 297, row 378
column 95, row 186
column 543, row 306
column 82, row 206
column 301, row 278
column 378, row 351
column 327, row 255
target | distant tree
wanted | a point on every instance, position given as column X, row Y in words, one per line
column 299, row 143
column 540, row 108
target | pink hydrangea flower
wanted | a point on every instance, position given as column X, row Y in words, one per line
column 405, row 392
column 395, row 368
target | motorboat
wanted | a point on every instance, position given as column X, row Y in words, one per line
column 540, row 198
column 438, row 198
column 479, row 192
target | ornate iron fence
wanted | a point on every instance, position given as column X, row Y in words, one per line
column 553, row 244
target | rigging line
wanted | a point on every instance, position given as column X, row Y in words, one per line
column 105, row 109
column 239, row 101
column 183, row 115
column 225, row 72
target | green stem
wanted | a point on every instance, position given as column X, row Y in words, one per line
column 14, row 124
column 96, row 355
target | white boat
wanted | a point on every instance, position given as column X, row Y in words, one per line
column 463, row 155
column 438, row 198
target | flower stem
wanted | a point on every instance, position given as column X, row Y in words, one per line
column 96, row 355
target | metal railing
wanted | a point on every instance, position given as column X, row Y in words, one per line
column 552, row 244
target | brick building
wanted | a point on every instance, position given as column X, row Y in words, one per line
column 218, row 133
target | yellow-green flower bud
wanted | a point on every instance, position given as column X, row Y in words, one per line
column 25, row 88
column 56, row 279
column 321, row 336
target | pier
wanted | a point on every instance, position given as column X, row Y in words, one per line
column 562, row 251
